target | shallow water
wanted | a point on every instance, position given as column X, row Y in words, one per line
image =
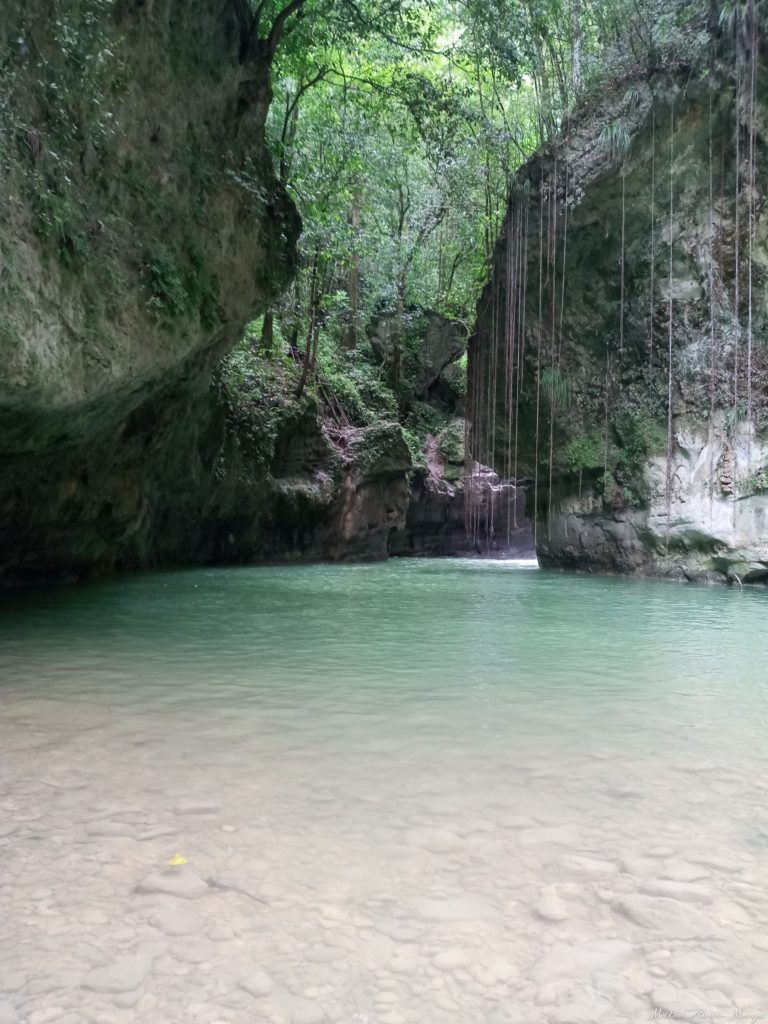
column 413, row 793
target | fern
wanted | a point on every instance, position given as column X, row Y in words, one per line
column 729, row 12
column 615, row 140
column 632, row 98
column 556, row 387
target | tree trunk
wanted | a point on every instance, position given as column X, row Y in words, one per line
column 268, row 332
column 310, row 350
column 314, row 310
column 397, row 340
column 349, row 334
column 576, row 49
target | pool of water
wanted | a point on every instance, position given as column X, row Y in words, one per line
column 423, row 792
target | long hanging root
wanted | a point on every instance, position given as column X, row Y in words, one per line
column 670, row 312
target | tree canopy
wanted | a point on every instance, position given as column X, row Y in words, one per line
column 398, row 126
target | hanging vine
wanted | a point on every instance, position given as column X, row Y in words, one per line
column 670, row 313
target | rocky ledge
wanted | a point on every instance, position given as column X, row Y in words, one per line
column 452, row 514
column 693, row 531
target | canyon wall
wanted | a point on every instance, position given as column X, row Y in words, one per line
column 620, row 363
column 142, row 228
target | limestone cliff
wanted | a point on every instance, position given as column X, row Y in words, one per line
column 628, row 388
column 142, row 227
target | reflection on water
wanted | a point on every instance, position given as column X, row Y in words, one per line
column 415, row 792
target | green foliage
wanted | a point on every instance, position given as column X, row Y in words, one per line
column 729, row 14
column 756, row 483
column 257, row 395
column 415, row 445
column 421, row 420
column 357, row 384
column 606, row 484
column 557, row 389
column 202, row 286
column 138, row 183
column 377, row 448
column 179, row 289
column 459, row 380
column 615, row 140
column 450, row 443
column 400, row 154
column 585, row 453
column 73, row 86
column 166, row 282
column 59, row 220
column 640, row 436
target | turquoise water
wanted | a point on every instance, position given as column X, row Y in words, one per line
column 412, row 792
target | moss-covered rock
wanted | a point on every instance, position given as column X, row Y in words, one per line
column 142, row 227
column 451, row 451
column 630, row 310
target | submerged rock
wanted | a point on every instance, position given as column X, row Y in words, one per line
column 566, row 961
column 586, row 867
column 550, row 907
column 257, row 984
column 180, row 881
column 689, row 892
column 452, row 959
column 453, row 908
column 667, row 917
column 124, row 975
column 680, row 1004
column 176, row 921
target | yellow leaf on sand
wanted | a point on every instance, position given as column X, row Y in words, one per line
column 177, row 860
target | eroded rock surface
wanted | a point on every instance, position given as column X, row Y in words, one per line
column 641, row 324
column 144, row 227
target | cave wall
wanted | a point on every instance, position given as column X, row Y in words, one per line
column 593, row 386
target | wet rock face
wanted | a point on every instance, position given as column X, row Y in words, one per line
column 607, row 298
column 436, row 525
column 182, row 494
column 698, row 533
column 145, row 227
column 343, row 508
column 375, row 493
column 440, row 522
column 327, row 494
column 430, row 345
column 145, row 223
